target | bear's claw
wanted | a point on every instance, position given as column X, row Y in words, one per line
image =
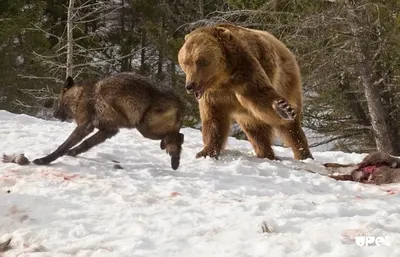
column 213, row 153
column 284, row 110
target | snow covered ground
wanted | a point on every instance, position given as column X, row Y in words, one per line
column 83, row 207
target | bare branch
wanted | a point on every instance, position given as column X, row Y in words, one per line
column 105, row 60
column 331, row 139
column 37, row 28
column 57, row 80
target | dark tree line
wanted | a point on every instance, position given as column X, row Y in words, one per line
column 348, row 52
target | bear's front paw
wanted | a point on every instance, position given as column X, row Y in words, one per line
column 284, row 110
column 207, row 151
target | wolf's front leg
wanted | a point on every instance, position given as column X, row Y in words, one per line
column 79, row 133
column 215, row 129
column 98, row 138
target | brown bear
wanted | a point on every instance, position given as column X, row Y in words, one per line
column 248, row 76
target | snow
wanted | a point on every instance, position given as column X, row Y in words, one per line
column 83, row 207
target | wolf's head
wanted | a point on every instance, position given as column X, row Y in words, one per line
column 66, row 99
column 172, row 144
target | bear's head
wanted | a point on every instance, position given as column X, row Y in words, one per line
column 203, row 59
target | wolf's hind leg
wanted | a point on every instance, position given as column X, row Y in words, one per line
column 98, row 138
column 76, row 136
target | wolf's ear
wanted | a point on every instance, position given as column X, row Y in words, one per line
column 223, row 34
column 69, row 82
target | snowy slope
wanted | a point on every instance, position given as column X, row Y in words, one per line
column 83, row 207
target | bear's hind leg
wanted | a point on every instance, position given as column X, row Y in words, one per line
column 293, row 136
column 260, row 136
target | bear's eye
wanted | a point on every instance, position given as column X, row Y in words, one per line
column 202, row 62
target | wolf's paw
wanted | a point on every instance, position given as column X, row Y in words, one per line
column 40, row 161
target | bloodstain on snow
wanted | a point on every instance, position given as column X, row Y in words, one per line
column 174, row 194
column 391, row 191
column 52, row 173
column 10, row 179
column 349, row 235
column 10, row 176
column 17, row 214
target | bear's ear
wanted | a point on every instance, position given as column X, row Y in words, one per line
column 187, row 36
column 223, row 33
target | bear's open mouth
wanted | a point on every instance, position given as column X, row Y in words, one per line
column 199, row 93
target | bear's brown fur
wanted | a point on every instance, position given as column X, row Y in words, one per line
column 249, row 76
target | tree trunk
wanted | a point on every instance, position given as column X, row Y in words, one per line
column 143, row 51
column 353, row 102
column 172, row 72
column 277, row 5
column 201, row 9
column 386, row 137
column 160, row 61
column 125, row 64
column 70, row 43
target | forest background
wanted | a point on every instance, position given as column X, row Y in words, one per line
column 348, row 51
